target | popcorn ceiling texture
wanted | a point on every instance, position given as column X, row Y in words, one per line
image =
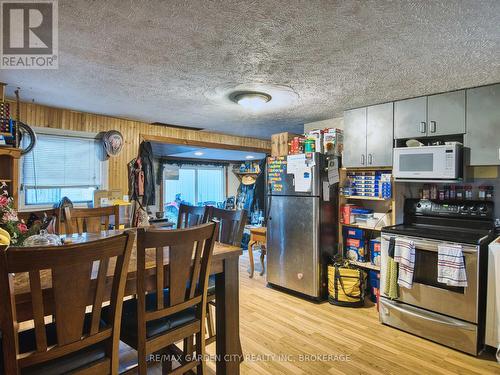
column 176, row 61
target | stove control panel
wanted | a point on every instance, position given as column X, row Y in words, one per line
column 461, row 209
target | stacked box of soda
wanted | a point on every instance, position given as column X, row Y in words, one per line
column 370, row 184
column 385, row 186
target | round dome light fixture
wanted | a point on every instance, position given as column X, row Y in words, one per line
column 251, row 99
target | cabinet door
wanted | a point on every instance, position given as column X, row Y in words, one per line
column 410, row 118
column 483, row 125
column 354, row 154
column 379, row 135
column 446, row 113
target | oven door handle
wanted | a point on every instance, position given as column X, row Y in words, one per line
column 431, row 245
column 453, row 323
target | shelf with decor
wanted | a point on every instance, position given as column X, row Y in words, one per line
column 383, row 208
column 365, row 265
column 365, row 198
column 9, row 170
column 362, row 226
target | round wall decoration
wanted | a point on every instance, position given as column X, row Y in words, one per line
column 113, row 142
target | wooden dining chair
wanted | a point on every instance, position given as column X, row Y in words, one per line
column 65, row 281
column 92, row 220
column 190, row 216
column 231, row 226
column 175, row 310
column 41, row 215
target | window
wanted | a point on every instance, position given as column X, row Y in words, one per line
column 62, row 166
column 194, row 185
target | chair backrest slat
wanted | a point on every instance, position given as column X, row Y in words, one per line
column 232, row 224
column 160, row 279
column 38, row 314
column 75, row 285
column 190, row 216
column 79, row 220
column 188, row 250
column 99, row 295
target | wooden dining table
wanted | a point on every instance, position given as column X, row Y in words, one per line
column 224, row 267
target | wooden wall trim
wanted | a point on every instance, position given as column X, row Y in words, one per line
column 43, row 116
column 204, row 144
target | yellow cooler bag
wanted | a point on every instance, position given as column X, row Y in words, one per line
column 346, row 285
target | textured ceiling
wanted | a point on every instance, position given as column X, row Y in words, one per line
column 176, row 61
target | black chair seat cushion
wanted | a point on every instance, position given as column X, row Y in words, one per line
column 62, row 365
column 128, row 333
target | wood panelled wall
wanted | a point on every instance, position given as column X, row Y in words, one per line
column 43, row 116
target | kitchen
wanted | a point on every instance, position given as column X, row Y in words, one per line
column 340, row 159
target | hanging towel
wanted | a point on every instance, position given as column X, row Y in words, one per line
column 391, row 277
column 404, row 254
column 451, row 266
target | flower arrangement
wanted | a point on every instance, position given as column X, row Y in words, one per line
column 9, row 220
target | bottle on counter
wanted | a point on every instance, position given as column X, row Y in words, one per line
column 482, row 193
column 489, row 193
column 434, row 192
column 426, row 192
column 468, row 192
column 453, row 192
column 446, row 192
column 460, row 192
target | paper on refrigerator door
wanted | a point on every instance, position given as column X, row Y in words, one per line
column 303, row 181
column 300, row 167
column 333, row 171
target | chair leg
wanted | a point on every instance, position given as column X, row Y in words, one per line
column 141, row 360
column 188, row 346
column 200, row 352
column 250, row 257
column 166, row 366
column 210, row 323
column 262, row 255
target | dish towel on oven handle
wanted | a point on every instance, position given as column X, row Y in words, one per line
column 451, row 265
column 404, row 255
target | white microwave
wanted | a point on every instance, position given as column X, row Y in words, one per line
column 428, row 162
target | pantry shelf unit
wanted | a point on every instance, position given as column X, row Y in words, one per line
column 9, row 170
column 387, row 206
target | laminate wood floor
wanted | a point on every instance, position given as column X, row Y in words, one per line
column 283, row 334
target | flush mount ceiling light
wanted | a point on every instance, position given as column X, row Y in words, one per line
column 198, row 153
column 251, row 99
column 249, row 157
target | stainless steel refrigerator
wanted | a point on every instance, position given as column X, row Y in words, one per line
column 301, row 227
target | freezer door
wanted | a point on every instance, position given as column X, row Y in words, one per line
column 293, row 244
column 288, row 181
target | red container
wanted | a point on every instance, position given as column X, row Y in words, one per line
column 346, row 213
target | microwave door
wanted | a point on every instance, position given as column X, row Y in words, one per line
column 415, row 165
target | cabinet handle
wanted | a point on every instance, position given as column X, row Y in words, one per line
column 370, row 159
column 433, row 127
column 363, row 159
column 423, row 126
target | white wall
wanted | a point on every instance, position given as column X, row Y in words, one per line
column 337, row 122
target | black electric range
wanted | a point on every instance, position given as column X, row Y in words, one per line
column 469, row 222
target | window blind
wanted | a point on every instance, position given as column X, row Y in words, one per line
column 60, row 161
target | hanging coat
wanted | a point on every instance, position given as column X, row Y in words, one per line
column 146, row 155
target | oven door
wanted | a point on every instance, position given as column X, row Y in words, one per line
column 427, row 292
